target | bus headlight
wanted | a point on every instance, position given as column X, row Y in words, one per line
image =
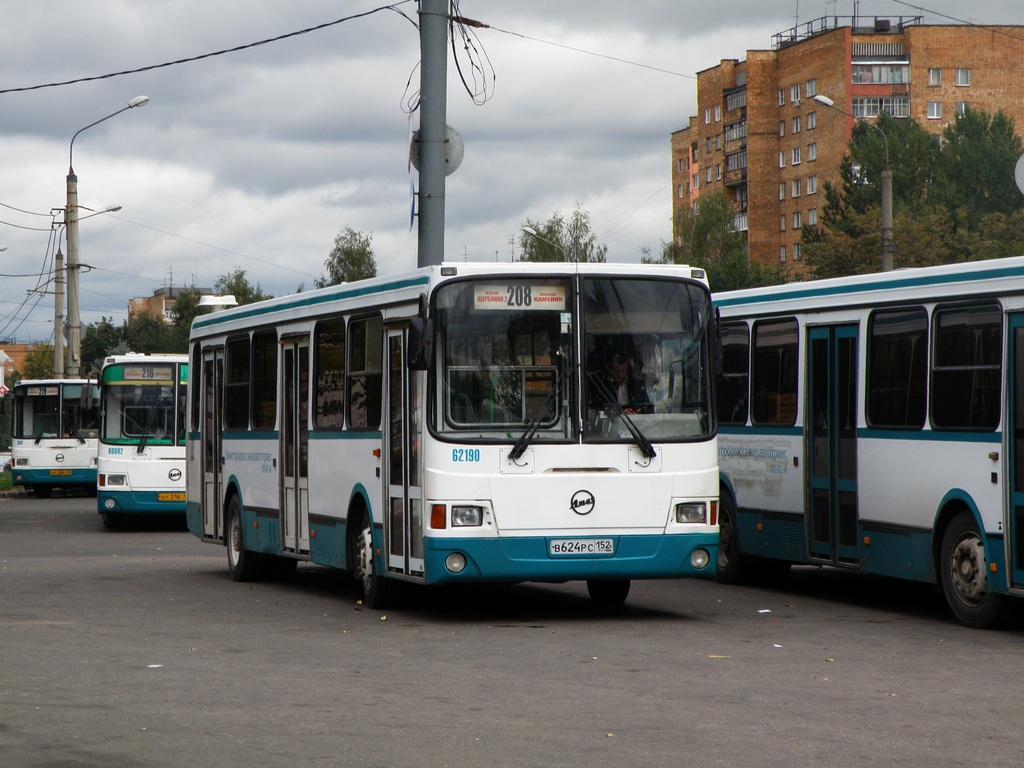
column 692, row 512
column 455, row 562
column 114, row 481
column 21, row 462
column 699, row 558
column 467, row 516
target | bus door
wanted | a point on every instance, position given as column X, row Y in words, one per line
column 1015, row 440
column 403, row 420
column 831, row 435
column 211, row 405
column 295, row 445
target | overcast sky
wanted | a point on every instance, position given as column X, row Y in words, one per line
column 257, row 159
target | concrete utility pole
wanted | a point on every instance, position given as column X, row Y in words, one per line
column 58, row 315
column 433, row 122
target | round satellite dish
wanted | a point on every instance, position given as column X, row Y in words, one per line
column 1018, row 173
column 454, row 150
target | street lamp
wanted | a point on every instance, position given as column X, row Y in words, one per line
column 533, row 233
column 887, row 245
column 71, row 222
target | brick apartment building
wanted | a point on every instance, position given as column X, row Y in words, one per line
column 760, row 138
column 160, row 304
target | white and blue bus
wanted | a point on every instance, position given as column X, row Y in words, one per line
column 876, row 423
column 142, row 436
column 53, row 435
column 455, row 424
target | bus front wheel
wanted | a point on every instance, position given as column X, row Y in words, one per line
column 243, row 564
column 964, row 574
column 376, row 588
column 730, row 568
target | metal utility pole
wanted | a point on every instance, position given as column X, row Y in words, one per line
column 433, row 121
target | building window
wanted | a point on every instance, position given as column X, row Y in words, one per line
column 796, row 251
column 696, row 153
column 794, row 94
column 782, row 97
column 736, row 100
column 707, row 116
column 718, row 142
column 718, row 112
column 718, row 171
column 812, row 151
column 795, row 154
column 782, row 223
column 679, row 191
column 934, row 76
column 736, row 161
column 782, row 190
column 934, row 110
column 782, row 127
column 871, row 106
column 696, row 180
column 962, row 106
column 782, row 158
column 797, row 223
column 796, row 188
column 782, row 253
column 796, row 124
column 812, row 121
column 812, row 216
column 707, row 145
column 812, row 185
column 736, row 131
column 811, row 88
column 886, row 74
column 963, row 76
column 707, row 174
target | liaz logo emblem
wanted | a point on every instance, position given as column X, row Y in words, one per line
column 174, row 475
column 582, row 502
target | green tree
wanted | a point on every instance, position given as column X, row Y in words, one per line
column 561, row 240
column 708, row 239
column 39, row 362
column 351, row 259
column 149, row 333
column 186, row 309
column 975, row 167
column 236, row 284
column 99, row 340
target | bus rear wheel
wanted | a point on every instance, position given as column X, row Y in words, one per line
column 608, row 593
column 964, row 575
column 243, row 564
column 376, row 588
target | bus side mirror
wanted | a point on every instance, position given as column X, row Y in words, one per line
column 421, row 344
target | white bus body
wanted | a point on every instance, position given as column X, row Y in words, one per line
column 142, row 437
column 53, row 434
column 876, row 423
column 435, row 427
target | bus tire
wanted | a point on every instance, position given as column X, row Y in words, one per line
column 243, row 564
column 112, row 521
column 732, row 566
column 610, row 593
column 964, row 576
column 376, row 588
column 42, row 491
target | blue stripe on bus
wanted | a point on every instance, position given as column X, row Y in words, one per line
column 526, row 558
column 137, row 503
column 869, row 433
column 783, row 293
column 306, row 300
column 34, row 477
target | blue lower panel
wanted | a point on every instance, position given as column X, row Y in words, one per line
column 35, row 477
column 136, row 503
column 527, row 559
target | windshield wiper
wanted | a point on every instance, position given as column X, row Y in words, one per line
column 525, row 438
column 612, row 404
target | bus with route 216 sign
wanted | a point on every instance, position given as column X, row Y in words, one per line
column 141, row 457
column 462, row 423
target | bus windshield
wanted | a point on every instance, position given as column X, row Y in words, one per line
column 569, row 358
column 56, row 409
column 143, row 411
